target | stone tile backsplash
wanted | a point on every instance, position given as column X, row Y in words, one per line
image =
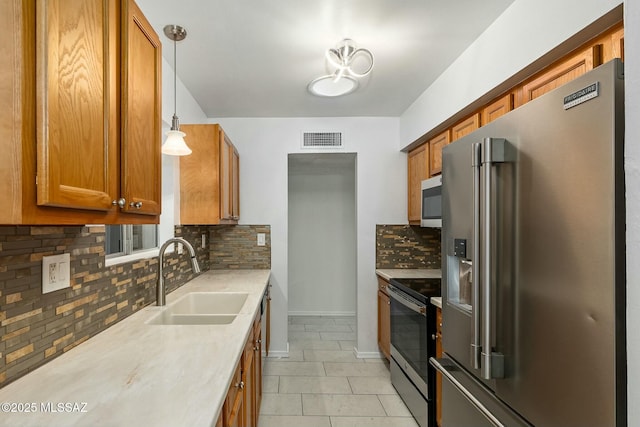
column 407, row 246
column 36, row 328
column 235, row 247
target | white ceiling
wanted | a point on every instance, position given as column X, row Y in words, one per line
column 244, row 58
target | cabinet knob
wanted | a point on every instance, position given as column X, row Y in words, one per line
column 121, row 202
column 240, row 385
column 136, row 205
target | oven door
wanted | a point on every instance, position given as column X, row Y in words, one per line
column 409, row 337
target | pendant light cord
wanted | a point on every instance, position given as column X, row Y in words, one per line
column 175, row 76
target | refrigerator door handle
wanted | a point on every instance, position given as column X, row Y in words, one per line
column 436, row 363
column 476, row 345
column 494, row 151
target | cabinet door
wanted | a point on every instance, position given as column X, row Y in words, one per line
column 257, row 360
column 418, row 170
column 141, row 91
column 267, row 329
column 436, row 145
column 465, row 127
column 235, row 184
column 497, row 108
column 226, row 150
column 200, row 177
column 233, row 409
column 560, row 74
column 77, row 129
column 384, row 324
column 248, row 379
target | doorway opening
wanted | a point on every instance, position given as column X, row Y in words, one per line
column 322, row 249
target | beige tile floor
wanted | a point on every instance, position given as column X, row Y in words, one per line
column 323, row 384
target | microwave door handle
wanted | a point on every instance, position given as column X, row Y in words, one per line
column 476, row 345
column 422, row 310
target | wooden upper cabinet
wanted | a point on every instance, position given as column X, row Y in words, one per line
column 613, row 44
column 75, row 145
column 141, row 112
column 226, row 151
column 235, row 184
column 76, row 92
column 465, row 127
column 436, row 145
column 497, row 108
column 207, row 177
column 418, row 170
column 560, row 73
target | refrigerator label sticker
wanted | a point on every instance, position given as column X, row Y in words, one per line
column 583, row 95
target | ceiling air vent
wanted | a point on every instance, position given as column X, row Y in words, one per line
column 322, row 140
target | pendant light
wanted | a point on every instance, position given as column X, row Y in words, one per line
column 175, row 145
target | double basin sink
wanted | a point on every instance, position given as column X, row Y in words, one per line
column 202, row 308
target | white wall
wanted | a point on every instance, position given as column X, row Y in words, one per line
column 632, row 170
column 524, row 32
column 322, row 235
column 264, row 145
column 189, row 111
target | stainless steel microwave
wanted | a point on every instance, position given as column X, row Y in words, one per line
column 432, row 202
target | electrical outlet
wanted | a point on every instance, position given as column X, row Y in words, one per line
column 261, row 239
column 55, row 273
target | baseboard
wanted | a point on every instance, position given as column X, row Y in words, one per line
column 367, row 354
column 279, row 354
column 322, row 313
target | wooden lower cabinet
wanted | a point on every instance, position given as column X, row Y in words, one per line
column 233, row 410
column 384, row 319
column 248, row 379
column 257, row 350
column 241, row 407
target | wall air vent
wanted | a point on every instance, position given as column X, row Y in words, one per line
column 322, row 140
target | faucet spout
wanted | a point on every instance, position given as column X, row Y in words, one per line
column 160, row 289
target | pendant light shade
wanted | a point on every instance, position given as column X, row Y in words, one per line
column 175, row 144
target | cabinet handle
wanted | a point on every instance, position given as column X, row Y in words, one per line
column 240, row 385
column 434, row 337
column 136, row 205
column 121, row 202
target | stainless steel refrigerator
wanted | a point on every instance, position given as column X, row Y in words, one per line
column 534, row 263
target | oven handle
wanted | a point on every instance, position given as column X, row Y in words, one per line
column 407, row 301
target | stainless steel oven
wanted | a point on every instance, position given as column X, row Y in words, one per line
column 412, row 327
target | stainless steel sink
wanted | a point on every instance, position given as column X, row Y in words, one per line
column 202, row 308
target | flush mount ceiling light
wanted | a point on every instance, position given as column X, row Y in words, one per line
column 350, row 63
column 175, row 145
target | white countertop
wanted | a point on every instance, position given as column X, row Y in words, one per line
column 135, row 374
column 408, row 273
column 437, row 301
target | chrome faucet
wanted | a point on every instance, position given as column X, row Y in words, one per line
column 160, row 292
